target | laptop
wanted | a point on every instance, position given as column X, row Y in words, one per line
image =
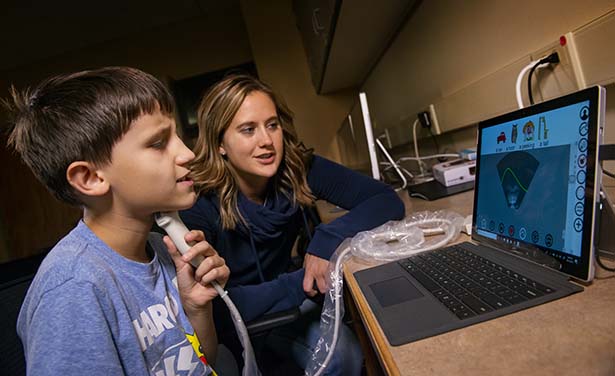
column 533, row 226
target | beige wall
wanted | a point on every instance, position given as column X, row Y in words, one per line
column 281, row 61
column 30, row 219
column 448, row 45
column 609, row 134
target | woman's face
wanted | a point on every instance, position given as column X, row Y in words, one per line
column 253, row 142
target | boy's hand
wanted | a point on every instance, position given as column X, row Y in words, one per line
column 194, row 285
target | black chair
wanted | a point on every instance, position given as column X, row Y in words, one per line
column 15, row 278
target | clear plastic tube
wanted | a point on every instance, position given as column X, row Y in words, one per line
column 332, row 312
column 419, row 232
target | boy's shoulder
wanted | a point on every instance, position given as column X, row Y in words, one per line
column 82, row 257
column 72, row 258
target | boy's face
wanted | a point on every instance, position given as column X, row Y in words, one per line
column 148, row 172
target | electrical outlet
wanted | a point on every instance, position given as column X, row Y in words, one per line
column 434, row 120
column 556, row 79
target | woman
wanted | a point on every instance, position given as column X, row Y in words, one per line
column 254, row 180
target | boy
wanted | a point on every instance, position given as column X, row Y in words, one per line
column 110, row 299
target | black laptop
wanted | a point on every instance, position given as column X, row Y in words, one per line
column 534, row 218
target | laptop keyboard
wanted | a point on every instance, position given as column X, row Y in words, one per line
column 468, row 284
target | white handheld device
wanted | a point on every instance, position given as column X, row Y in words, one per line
column 176, row 229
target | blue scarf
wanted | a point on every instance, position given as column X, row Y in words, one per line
column 265, row 221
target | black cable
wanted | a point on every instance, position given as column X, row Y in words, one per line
column 529, row 82
column 599, row 262
column 607, row 153
column 552, row 59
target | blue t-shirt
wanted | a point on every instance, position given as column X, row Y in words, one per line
column 91, row 311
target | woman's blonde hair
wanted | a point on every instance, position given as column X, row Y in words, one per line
column 212, row 172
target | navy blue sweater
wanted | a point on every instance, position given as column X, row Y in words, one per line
column 259, row 282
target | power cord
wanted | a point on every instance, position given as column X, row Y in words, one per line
column 551, row 59
column 435, row 141
column 607, row 152
column 601, row 264
column 416, row 147
column 520, row 79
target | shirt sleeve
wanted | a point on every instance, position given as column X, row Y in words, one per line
column 282, row 293
column 68, row 334
column 369, row 202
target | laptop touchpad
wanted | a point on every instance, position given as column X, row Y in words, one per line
column 394, row 291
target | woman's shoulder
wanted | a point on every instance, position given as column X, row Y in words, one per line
column 327, row 178
column 207, row 201
column 206, row 207
column 318, row 163
column 322, row 169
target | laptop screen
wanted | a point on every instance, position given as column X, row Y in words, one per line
column 536, row 184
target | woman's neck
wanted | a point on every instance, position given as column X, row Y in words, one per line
column 254, row 191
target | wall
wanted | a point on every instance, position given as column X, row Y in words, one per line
column 447, row 46
column 30, row 219
column 281, row 61
column 609, row 135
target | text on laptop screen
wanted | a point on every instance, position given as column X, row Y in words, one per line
column 533, row 181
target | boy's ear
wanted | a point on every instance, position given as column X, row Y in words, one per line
column 86, row 179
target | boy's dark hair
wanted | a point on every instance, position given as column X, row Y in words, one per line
column 80, row 117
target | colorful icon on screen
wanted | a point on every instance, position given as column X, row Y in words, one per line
column 528, row 131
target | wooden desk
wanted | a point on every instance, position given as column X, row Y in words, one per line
column 571, row 336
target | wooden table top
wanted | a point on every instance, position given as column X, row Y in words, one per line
column 574, row 335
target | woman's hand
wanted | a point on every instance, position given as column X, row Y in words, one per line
column 194, row 285
column 316, row 269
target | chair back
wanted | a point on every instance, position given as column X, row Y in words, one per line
column 15, row 279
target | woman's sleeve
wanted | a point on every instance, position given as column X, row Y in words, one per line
column 369, row 202
column 280, row 294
